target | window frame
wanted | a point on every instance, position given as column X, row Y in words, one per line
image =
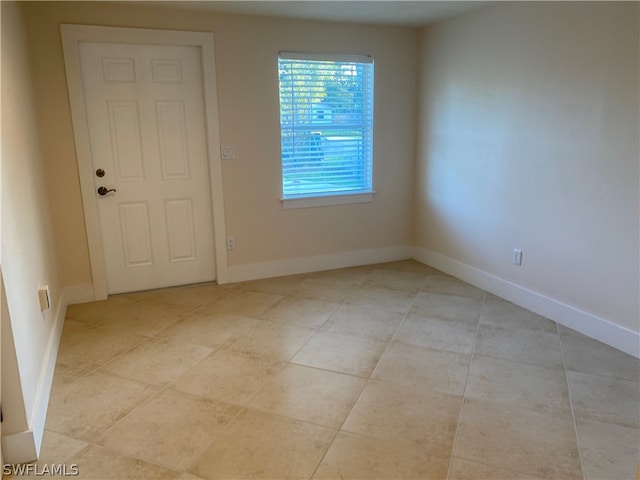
column 333, row 197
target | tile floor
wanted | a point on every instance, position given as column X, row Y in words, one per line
column 386, row 371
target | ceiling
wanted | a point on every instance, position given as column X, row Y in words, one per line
column 399, row 13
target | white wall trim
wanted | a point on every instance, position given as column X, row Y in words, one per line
column 327, row 200
column 72, row 35
column 601, row 329
column 293, row 266
column 39, row 415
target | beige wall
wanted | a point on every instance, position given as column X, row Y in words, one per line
column 28, row 249
column 528, row 137
column 246, row 63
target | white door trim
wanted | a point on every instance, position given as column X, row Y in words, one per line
column 72, row 35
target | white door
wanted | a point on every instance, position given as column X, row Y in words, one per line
column 145, row 115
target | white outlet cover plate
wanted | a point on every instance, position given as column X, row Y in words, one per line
column 517, row 256
column 228, row 152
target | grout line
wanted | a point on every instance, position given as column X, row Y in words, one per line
column 573, row 415
column 466, row 383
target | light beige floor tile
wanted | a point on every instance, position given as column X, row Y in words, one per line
column 406, row 281
column 407, row 266
column 462, row 469
column 447, row 307
column 241, row 302
column 326, row 290
column 584, row 354
column 498, row 439
column 147, row 318
column 262, row 446
column 426, row 332
column 309, row 394
column 100, row 463
column 499, row 312
column 406, row 414
column 383, row 298
column 607, row 450
column 446, row 285
column 93, row 311
column 605, row 399
column 341, row 353
column 519, row 384
column 268, row 339
column 92, row 403
column 344, row 276
column 229, row 377
column 519, row 439
column 171, row 429
column 193, row 296
column 57, row 448
column 207, row 329
column 300, row 311
column 158, row 362
column 356, row 457
column 275, row 286
column 364, row 322
column 189, row 476
column 538, row 347
column 65, row 374
column 86, row 347
column 434, row 369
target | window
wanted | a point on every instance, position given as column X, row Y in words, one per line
column 326, row 122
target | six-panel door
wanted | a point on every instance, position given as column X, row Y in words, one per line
column 145, row 114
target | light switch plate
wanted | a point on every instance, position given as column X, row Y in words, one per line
column 43, row 298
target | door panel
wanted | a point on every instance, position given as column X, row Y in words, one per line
column 126, row 142
column 170, row 117
column 181, row 229
column 145, row 115
column 135, row 231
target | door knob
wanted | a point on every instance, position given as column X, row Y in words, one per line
column 102, row 191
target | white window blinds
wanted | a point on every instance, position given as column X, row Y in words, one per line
column 326, row 120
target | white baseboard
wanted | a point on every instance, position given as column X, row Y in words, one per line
column 46, row 378
column 81, row 293
column 19, row 447
column 293, row 266
column 605, row 331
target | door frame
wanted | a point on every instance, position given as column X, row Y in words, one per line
column 72, row 35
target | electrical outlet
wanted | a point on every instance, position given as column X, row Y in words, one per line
column 231, row 242
column 517, row 257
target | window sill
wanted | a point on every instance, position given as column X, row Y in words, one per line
column 327, row 200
